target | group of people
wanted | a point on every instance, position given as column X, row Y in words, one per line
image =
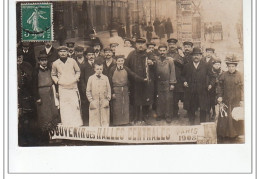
column 98, row 86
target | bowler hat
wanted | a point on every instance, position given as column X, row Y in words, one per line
column 210, row 49
column 172, row 40
column 188, row 43
column 79, row 49
column 89, row 50
column 63, row 48
column 140, row 40
column 42, row 56
column 196, row 50
column 70, row 44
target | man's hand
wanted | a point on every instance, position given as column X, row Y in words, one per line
column 220, row 99
column 39, row 101
column 171, row 87
column 209, row 87
column 149, row 62
column 113, row 96
column 185, row 84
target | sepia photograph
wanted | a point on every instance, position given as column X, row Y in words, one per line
column 130, row 72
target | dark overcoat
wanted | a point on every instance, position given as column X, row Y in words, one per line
column 52, row 56
column 168, row 27
column 179, row 64
column 197, row 80
column 141, row 92
column 29, row 57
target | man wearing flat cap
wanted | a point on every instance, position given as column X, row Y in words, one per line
column 86, row 72
column 142, row 89
column 195, row 83
column 178, row 90
column 209, row 57
column 71, row 52
column 66, row 73
column 165, row 81
column 51, row 52
column 45, row 97
column 109, row 61
column 187, row 47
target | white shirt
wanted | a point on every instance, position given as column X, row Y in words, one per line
column 80, row 60
column 108, row 62
column 48, row 49
column 196, row 64
column 207, row 59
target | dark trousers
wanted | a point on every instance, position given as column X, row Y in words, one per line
column 140, row 112
column 177, row 96
column 194, row 104
column 212, row 102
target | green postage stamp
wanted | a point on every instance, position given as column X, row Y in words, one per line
column 37, row 22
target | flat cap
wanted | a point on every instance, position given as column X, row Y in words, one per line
column 107, row 49
column 119, row 56
column 162, row 46
column 42, row 56
column 155, row 37
column 172, row 40
column 70, row 44
column 140, row 40
column 63, row 48
column 210, row 49
column 188, row 43
column 79, row 49
column 150, row 43
column 114, row 43
column 216, row 60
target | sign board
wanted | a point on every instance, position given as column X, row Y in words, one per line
column 204, row 133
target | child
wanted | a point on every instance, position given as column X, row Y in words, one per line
column 214, row 73
column 99, row 94
column 229, row 92
column 45, row 94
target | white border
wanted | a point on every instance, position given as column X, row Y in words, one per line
column 172, row 158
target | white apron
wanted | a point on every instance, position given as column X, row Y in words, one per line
column 70, row 107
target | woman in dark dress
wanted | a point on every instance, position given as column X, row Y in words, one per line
column 230, row 92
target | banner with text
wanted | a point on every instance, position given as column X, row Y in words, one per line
column 204, row 133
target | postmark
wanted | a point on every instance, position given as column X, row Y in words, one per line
column 37, row 22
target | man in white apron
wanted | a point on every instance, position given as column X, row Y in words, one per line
column 65, row 73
